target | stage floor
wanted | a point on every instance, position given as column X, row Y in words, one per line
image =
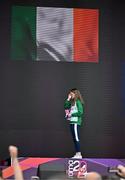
column 30, row 165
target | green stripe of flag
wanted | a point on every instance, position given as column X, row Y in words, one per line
column 23, row 33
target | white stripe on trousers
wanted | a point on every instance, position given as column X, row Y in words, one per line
column 76, row 132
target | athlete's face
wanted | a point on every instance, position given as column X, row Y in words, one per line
column 72, row 95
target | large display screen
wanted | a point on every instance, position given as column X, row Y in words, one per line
column 41, row 45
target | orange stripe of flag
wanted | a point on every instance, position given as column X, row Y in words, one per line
column 85, row 35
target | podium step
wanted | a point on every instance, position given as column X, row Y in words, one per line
column 47, row 167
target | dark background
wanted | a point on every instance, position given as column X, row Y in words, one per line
column 32, row 94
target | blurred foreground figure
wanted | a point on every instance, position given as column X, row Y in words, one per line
column 121, row 171
column 15, row 163
column 93, row 176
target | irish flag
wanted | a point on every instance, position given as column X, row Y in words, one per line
column 54, row 34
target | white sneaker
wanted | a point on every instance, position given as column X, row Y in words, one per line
column 78, row 155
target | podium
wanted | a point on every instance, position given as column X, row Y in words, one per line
column 49, row 168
